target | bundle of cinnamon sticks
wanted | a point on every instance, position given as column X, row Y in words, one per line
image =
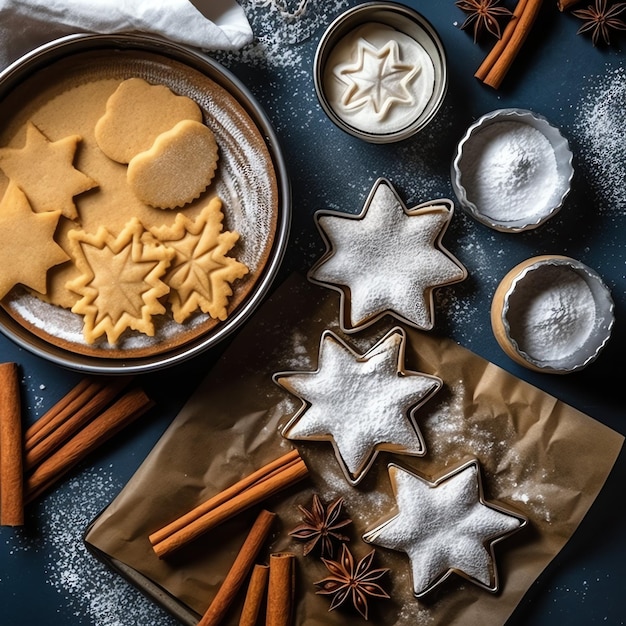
column 250, row 490
column 87, row 416
column 500, row 59
column 272, row 584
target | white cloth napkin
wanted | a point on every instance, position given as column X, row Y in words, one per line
column 205, row 24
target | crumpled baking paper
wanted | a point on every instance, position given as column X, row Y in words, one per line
column 540, row 456
column 204, row 24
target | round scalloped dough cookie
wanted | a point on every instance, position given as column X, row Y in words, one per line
column 136, row 114
column 177, row 168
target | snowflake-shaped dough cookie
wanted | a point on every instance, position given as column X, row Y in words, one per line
column 446, row 527
column 200, row 274
column 387, row 260
column 45, row 172
column 363, row 404
column 120, row 282
column 27, row 246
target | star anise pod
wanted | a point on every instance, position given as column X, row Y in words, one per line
column 600, row 19
column 320, row 526
column 483, row 15
column 347, row 580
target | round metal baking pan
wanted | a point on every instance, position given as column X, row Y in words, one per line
column 44, row 57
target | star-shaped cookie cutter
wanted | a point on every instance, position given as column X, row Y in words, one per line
column 409, row 530
column 388, row 260
column 362, row 404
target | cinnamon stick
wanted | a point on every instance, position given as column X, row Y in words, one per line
column 68, row 416
column 11, row 465
column 43, row 422
column 255, row 594
column 501, row 44
column 251, row 490
column 566, row 5
column 521, row 28
column 223, row 496
column 239, row 570
column 281, row 588
column 125, row 410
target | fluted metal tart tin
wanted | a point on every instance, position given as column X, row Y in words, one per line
column 516, row 175
column 109, row 48
column 552, row 314
column 406, row 23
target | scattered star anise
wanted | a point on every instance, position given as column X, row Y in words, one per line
column 600, row 19
column 350, row 581
column 483, row 15
column 320, row 526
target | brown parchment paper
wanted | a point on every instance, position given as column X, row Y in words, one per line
column 539, row 456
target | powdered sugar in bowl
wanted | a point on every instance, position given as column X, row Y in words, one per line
column 512, row 170
column 552, row 314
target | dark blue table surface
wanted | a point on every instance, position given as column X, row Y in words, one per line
column 46, row 576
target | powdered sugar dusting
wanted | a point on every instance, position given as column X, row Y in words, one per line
column 443, row 526
column 601, row 125
column 67, row 326
column 247, row 179
column 389, row 258
column 509, row 171
column 360, row 401
column 280, row 24
column 451, row 436
column 90, row 591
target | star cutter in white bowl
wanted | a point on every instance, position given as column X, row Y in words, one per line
column 446, row 527
column 362, row 403
column 386, row 260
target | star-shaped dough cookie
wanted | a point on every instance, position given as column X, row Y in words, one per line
column 388, row 259
column 120, row 282
column 200, row 274
column 377, row 80
column 45, row 172
column 27, row 246
column 446, row 527
column 363, row 404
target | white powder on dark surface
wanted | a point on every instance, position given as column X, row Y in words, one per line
column 279, row 26
column 465, row 307
column 88, row 590
column 600, row 125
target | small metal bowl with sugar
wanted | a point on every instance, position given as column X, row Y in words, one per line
column 512, row 170
column 552, row 314
column 380, row 72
